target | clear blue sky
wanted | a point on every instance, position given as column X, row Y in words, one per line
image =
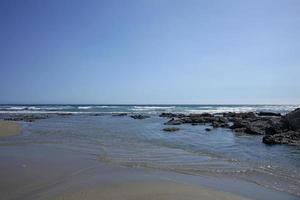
column 150, row 51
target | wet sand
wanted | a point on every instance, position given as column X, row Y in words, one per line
column 56, row 166
column 8, row 128
column 47, row 172
column 141, row 190
column 44, row 172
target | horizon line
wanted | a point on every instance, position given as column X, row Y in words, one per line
column 151, row 104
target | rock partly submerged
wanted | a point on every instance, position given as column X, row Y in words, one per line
column 269, row 114
column 289, row 137
column 119, row 114
column 293, row 119
column 277, row 129
column 26, row 118
column 194, row 119
column 171, row 129
column 287, row 133
column 139, row 116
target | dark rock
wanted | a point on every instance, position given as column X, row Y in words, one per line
column 289, row 137
column 271, row 131
column 171, row 129
column 217, row 124
column 119, row 114
column 64, row 114
column 276, row 125
column 202, row 115
column 239, row 123
column 220, row 121
column 168, row 115
column 293, row 119
column 174, row 121
column 246, row 115
column 208, row 129
column 276, row 128
column 26, row 118
column 250, row 126
column 240, row 130
column 258, row 127
column 269, row 114
column 229, row 114
column 254, row 130
column 285, row 130
column 199, row 118
column 139, row 116
column 97, row 114
column 172, row 115
column 180, row 115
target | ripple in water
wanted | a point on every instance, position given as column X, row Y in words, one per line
column 192, row 150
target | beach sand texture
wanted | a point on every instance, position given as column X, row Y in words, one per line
column 8, row 128
column 148, row 190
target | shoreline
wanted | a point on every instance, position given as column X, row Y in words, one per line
column 9, row 128
column 55, row 173
column 53, row 165
column 145, row 190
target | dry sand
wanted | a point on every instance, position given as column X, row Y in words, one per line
column 8, row 128
column 148, row 190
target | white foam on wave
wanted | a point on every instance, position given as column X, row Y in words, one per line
column 41, row 112
column 222, row 109
column 16, row 108
column 145, row 108
column 106, row 106
column 33, row 108
column 22, row 108
column 50, row 108
column 206, row 107
column 283, row 109
column 57, row 108
column 84, row 107
column 278, row 108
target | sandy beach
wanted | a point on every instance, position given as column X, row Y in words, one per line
column 105, row 157
column 141, row 190
column 8, row 128
column 46, row 173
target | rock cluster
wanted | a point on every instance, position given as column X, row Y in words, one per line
column 293, row 119
column 277, row 129
column 287, row 133
column 194, row 119
column 289, row 137
column 139, row 116
column 26, row 118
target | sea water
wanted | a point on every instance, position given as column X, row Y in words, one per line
column 142, row 143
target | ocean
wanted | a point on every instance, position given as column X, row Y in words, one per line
column 150, row 109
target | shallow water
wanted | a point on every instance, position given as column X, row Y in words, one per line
column 142, row 143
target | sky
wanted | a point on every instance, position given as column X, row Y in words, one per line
column 150, row 51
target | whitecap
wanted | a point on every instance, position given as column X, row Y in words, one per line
column 33, row 108
column 84, row 107
column 16, row 108
column 145, row 108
